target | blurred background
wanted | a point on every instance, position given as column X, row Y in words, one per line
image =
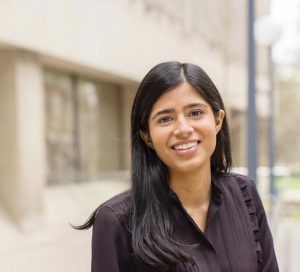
column 69, row 70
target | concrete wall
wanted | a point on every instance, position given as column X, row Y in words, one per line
column 8, row 137
column 110, row 40
column 22, row 160
column 127, row 37
column 127, row 99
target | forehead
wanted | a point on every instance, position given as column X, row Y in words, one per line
column 179, row 96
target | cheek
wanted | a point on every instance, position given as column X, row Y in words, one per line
column 159, row 140
column 209, row 133
column 213, row 142
column 209, row 127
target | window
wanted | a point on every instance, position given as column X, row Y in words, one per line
column 82, row 128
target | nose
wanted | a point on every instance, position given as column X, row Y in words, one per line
column 183, row 128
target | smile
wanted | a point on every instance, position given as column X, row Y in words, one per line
column 185, row 146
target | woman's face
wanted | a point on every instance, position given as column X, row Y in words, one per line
column 183, row 129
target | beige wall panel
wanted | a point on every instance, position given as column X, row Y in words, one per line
column 9, row 168
column 127, row 37
column 128, row 96
column 30, row 112
column 22, row 140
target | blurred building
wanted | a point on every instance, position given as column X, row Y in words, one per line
column 288, row 118
column 68, row 74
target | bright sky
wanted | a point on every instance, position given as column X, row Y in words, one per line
column 287, row 48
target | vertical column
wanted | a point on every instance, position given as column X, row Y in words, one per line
column 251, row 117
column 127, row 100
column 22, row 160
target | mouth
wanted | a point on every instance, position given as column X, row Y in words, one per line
column 185, row 146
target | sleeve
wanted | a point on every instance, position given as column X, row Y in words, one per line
column 110, row 243
column 269, row 261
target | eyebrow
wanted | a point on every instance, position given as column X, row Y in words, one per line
column 192, row 105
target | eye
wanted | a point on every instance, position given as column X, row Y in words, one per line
column 196, row 113
column 165, row 119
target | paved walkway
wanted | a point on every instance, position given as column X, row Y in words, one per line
column 56, row 247
column 286, row 231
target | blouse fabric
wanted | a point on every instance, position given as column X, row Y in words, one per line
column 236, row 238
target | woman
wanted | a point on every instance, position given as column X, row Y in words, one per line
column 184, row 212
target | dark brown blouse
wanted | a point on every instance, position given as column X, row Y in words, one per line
column 237, row 237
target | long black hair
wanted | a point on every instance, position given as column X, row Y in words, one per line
column 151, row 221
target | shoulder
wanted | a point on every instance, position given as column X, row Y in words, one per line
column 111, row 238
column 113, row 210
column 232, row 179
column 234, row 182
column 118, row 202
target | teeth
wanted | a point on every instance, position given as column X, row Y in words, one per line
column 185, row 146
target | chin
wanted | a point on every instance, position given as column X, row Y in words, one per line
column 188, row 168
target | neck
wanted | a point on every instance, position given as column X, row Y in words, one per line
column 193, row 189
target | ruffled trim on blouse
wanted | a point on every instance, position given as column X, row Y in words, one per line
column 254, row 223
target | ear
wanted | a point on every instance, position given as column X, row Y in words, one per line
column 146, row 138
column 219, row 120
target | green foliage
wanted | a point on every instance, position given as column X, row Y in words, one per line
column 288, row 183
